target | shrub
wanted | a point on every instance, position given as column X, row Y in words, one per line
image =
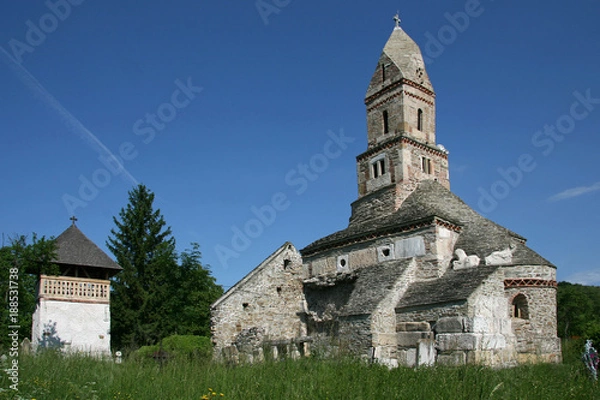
column 180, row 346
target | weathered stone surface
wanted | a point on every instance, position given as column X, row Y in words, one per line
column 493, row 342
column 501, row 257
column 410, row 247
column 407, row 357
column 449, row 325
column 413, row 326
column 266, row 306
column 249, row 340
column 453, row 359
column 411, row 339
column 457, row 341
column 426, row 352
column 464, row 261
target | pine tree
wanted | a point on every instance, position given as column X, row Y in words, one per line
column 145, row 249
column 155, row 295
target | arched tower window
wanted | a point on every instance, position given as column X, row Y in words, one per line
column 386, row 122
column 420, row 119
column 519, row 307
column 378, row 168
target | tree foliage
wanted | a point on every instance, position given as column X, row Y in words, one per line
column 578, row 311
column 158, row 293
column 21, row 263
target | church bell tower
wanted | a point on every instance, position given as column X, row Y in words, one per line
column 402, row 149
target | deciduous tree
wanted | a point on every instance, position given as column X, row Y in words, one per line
column 21, row 263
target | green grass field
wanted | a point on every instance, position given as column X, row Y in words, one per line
column 51, row 376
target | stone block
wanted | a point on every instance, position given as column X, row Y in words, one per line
column 452, row 359
column 549, row 345
column 480, row 325
column 407, row 357
column 457, row 341
column 413, row 326
column 449, row 325
column 409, row 247
column 493, row 342
column 411, row 339
column 426, row 353
column 468, row 325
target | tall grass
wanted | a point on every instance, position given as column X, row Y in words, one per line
column 52, row 376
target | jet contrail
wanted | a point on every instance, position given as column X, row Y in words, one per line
column 68, row 119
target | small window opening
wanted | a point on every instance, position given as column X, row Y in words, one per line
column 342, row 263
column 426, row 165
column 420, row 119
column 286, row 263
column 386, row 252
column 519, row 307
column 386, row 124
column 383, row 72
column 378, row 168
column 245, row 305
column 279, row 290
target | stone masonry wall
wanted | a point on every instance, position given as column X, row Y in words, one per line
column 535, row 332
column 421, row 243
column 402, row 103
column 383, row 320
column 269, row 299
column 410, row 170
column 404, row 167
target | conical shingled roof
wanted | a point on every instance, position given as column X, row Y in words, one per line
column 74, row 248
column 430, row 199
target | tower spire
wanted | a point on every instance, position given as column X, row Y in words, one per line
column 401, row 140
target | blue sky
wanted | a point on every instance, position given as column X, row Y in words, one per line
column 216, row 106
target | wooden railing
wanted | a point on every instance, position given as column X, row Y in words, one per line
column 74, row 289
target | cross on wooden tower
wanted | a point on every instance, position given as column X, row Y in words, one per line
column 73, row 218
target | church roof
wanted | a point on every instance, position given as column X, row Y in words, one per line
column 453, row 287
column 373, row 283
column 74, row 248
column 478, row 235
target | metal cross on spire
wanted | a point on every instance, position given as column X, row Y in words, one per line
column 73, row 218
column 397, row 19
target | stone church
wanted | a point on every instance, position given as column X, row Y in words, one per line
column 417, row 278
